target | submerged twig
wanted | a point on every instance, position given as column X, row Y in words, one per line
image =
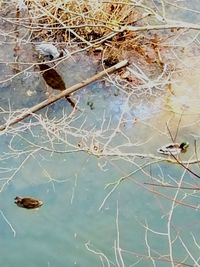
column 172, row 186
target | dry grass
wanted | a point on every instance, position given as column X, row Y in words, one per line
column 94, row 25
column 89, row 19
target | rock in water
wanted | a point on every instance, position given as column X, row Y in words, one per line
column 46, row 49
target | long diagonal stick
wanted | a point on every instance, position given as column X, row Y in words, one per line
column 66, row 92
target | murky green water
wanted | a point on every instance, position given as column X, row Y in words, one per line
column 90, row 218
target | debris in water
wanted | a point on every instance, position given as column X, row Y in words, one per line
column 28, row 202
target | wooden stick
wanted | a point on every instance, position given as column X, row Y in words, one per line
column 66, row 92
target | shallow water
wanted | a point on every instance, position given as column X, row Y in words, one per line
column 87, row 218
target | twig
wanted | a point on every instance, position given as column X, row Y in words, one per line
column 66, row 92
column 186, row 168
column 177, row 129
column 118, row 254
column 101, row 255
column 168, row 129
column 6, row 220
column 173, row 186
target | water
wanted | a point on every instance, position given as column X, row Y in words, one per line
column 79, row 214
column 98, row 208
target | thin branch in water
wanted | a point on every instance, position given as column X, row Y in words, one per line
column 186, row 168
column 195, row 149
column 188, row 252
column 177, row 129
column 98, row 253
column 10, row 225
column 117, row 247
column 170, row 133
column 173, row 186
column 148, row 246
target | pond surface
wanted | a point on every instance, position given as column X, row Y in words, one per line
column 97, row 172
